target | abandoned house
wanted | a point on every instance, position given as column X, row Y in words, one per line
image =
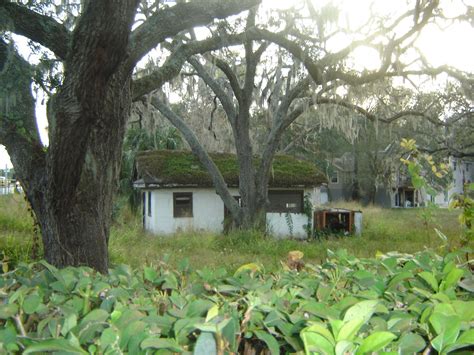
column 178, row 193
column 393, row 187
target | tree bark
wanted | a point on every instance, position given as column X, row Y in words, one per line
column 71, row 183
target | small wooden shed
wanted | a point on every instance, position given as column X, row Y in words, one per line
column 338, row 220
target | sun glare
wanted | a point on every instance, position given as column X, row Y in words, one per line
column 440, row 46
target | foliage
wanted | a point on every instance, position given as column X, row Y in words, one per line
column 398, row 303
column 182, row 167
column 462, row 201
column 466, row 218
column 383, row 230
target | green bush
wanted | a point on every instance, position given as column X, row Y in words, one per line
column 397, row 303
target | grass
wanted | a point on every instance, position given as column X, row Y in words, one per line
column 16, row 228
column 384, row 230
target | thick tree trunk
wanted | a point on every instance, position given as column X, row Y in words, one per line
column 76, row 223
column 71, row 183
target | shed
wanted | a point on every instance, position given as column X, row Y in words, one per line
column 338, row 220
column 178, row 192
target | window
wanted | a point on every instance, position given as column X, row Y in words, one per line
column 182, row 204
column 334, row 177
column 283, row 201
column 454, row 165
column 149, row 203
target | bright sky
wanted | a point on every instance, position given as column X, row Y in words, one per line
column 440, row 46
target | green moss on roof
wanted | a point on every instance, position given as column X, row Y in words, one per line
column 170, row 167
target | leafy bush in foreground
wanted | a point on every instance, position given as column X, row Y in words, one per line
column 395, row 303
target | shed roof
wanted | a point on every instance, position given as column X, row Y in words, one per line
column 171, row 168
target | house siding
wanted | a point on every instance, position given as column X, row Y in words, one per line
column 208, row 213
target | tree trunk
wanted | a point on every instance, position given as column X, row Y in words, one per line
column 76, row 223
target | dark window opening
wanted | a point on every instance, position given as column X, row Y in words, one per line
column 334, row 177
column 285, row 201
column 149, row 203
column 182, row 204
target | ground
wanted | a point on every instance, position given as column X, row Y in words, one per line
column 384, row 230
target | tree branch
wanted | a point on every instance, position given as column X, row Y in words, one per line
column 217, row 178
column 224, row 98
column 173, row 64
column 229, row 73
column 18, row 130
column 170, row 21
column 39, row 28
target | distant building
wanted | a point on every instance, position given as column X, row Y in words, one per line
column 463, row 173
column 396, row 189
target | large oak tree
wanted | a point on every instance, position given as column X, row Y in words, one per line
column 70, row 183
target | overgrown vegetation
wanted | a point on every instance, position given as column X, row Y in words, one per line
column 384, row 230
column 398, row 303
column 190, row 292
column 182, row 167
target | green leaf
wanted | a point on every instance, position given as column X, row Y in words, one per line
column 8, row 310
column 316, row 343
column 96, row 315
column 132, row 330
column 447, row 327
column 31, row 303
column 55, row 345
column 430, row 279
column 171, row 282
column 70, row 321
column 465, row 310
column 199, row 308
column 349, row 330
column 161, row 343
column 321, row 329
column 411, row 343
column 205, row 345
column 466, row 339
column 344, row 347
column 149, row 274
column 108, row 337
column 8, row 338
column 375, row 342
column 270, row 340
column 362, row 310
column 452, row 278
column 251, row 267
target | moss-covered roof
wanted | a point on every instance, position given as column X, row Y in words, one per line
column 165, row 168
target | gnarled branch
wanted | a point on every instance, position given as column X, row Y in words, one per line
column 170, row 21
column 39, row 28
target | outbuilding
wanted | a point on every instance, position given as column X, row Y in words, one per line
column 178, row 193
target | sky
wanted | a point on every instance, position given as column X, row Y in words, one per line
column 441, row 46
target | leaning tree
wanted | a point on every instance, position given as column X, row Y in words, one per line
column 94, row 47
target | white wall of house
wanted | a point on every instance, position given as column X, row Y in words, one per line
column 463, row 172
column 278, row 225
column 208, row 213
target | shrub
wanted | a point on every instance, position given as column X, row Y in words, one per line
column 397, row 302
